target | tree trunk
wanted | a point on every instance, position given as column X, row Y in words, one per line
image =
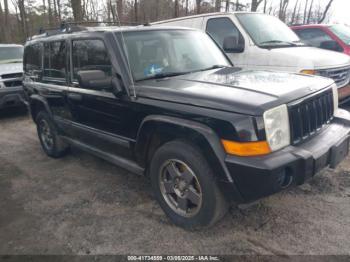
column 186, row 7
column 6, row 21
column 255, row 5
column 217, row 5
column 55, row 11
column 23, row 16
column 294, row 12
column 305, row 11
column 265, row 6
column 227, row 6
column 2, row 28
column 120, row 9
column 310, row 11
column 325, row 11
column 59, row 10
column 77, row 10
column 176, row 13
column 136, row 10
column 198, row 6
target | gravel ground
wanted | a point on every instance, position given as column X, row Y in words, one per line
column 83, row 205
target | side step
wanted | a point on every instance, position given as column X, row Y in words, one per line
column 119, row 161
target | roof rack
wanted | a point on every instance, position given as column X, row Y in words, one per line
column 71, row 27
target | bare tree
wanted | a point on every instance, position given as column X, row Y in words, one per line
column 176, row 7
column 23, row 18
column 283, row 9
column 120, row 9
column 294, row 12
column 305, row 11
column 2, row 28
column 135, row 10
column 255, row 4
column 310, row 11
column 217, row 5
column 328, row 6
column 265, row 6
column 198, row 6
column 77, row 10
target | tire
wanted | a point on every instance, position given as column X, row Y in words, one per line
column 56, row 148
column 204, row 203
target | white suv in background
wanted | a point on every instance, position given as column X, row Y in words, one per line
column 11, row 75
column 263, row 42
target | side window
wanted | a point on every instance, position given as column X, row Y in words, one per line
column 313, row 36
column 90, row 55
column 220, row 28
column 33, row 59
column 55, row 59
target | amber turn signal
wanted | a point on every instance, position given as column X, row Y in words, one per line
column 247, row 148
column 308, row 72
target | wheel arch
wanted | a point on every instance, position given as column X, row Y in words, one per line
column 168, row 128
column 37, row 104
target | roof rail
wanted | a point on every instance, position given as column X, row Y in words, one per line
column 71, row 27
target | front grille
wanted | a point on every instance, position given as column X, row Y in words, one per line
column 340, row 75
column 310, row 116
column 16, row 75
column 13, row 83
column 11, row 80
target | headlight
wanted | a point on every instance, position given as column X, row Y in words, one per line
column 277, row 127
column 335, row 97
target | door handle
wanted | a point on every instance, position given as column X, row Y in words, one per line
column 75, row 97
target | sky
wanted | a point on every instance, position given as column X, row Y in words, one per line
column 341, row 11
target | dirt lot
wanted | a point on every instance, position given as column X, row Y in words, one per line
column 83, row 205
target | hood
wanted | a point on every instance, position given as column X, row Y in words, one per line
column 311, row 57
column 234, row 90
column 11, row 68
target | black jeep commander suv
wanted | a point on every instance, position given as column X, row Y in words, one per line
column 167, row 103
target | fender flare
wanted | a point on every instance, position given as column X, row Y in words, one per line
column 41, row 100
column 209, row 134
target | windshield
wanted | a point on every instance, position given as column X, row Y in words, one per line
column 341, row 31
column 11, row 54
column 165, row 53
column 268, row 31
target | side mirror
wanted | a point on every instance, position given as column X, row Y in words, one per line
column 232, row 44
column 94, row 79
column 331, row 45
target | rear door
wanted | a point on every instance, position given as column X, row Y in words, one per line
column 52, row 80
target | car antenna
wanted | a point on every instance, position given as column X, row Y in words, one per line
column 126, row 55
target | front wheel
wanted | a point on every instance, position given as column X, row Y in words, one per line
column 185, row 187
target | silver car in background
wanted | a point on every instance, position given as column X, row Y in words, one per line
column 11, row 75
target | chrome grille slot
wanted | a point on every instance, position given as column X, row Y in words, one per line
column 341, row 76
column 310, row 116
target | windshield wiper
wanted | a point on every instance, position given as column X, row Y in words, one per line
column 278, row 42
column 11, row 61
column 212, row 67
column 163, row 75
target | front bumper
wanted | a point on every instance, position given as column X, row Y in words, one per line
column 257, row 177
column 11, row 97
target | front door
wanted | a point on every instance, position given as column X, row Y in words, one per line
column 98, row 115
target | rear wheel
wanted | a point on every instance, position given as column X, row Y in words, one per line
column 51, row 143
column 185, row 187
